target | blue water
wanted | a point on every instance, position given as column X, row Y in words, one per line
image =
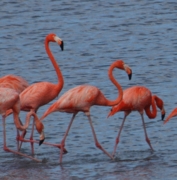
column 95, row 34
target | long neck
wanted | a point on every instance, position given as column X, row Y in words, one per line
column 152, row 114
column 120, row 91
column 17, row 121
column 55, row 65
column 16, row 111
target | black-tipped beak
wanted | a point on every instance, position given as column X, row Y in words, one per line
column 41, row 141
column 163, row 115
column 130, row 76
column 65, row 151
column 62, row 45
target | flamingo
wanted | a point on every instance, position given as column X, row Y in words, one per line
column 18, row 84
column 138, row 98
column 82, row 97
column 9, row 99
column 172, row 114
column 14, row 82
column 41, row 93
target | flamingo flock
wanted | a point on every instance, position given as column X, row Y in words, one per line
column 17, row 95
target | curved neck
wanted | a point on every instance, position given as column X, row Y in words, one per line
column 55, row 65
column 17, row 121
column 152, row 114
column 120, row 91
column 159, row 102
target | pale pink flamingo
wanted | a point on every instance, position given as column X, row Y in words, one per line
column 138, row 98
column 18, row 84
column 82, row 97
column 14, row 82
column 9, row 99
column 41, row 93
column 172, row 114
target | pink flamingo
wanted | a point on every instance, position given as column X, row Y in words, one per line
column 82, row 97
column 172, row 114
column 14, row 82
column 41, row 93
column 138, row 98
column 18, row 84
column 9, row 99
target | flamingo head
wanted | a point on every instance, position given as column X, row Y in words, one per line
column 128, row 71
column 160, row 105
column 54, row 38
column 40, row 129
column 121, row 65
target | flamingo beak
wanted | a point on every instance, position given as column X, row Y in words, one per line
column 42, row 138
column 41, row 141
column 130, row 76
column 62, row 45
column 163, row 115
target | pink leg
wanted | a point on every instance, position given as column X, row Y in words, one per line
column 50, row 144
column 17, row 138
column 64, row 138
column 120, row 130
column 20, row 138
column 98, row 145
column 9, row 150
column 31, row 138
column 19, row 144
column 146, row 136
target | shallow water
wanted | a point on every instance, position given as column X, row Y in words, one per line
column 95, row 33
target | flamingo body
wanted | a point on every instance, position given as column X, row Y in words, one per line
column 9, row 99
column 135, row 98
column 37, row 95
column 82, row 97
column 138, row 98
column 14, row 82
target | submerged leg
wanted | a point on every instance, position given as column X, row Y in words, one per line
column 98, row 145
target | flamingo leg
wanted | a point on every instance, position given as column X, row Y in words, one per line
column 20, row 137
column 31, row 138
column 120, row 130
column 98, row 145
column 9, row 150
column 50, row 144
column 146, row 136
column 64, row 138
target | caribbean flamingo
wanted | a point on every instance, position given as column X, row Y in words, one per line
column 39, row 94
column 18, row 84
column 138, row 98
column 172, row 114
column 82, row 97
column 14, row 82
column 9, row 99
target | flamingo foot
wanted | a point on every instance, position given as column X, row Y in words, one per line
column 50, row 144
column 6, row 149
column 21, row 154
